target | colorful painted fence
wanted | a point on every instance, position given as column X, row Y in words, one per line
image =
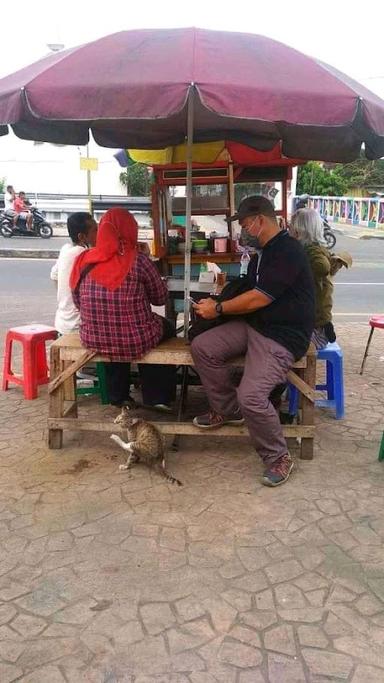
column 366, row 211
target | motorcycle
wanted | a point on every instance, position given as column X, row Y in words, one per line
column 40, row 227
column 329, row 235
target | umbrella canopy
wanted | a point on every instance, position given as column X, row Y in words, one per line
column 212, row 153
column 131, row 90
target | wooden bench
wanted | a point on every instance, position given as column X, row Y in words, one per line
column 68, row 356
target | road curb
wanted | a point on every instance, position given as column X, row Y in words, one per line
column 29, row 253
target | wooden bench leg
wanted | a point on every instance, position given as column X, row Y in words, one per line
column 308, row 408
column 70, row 392
column 182, row 403
column 56, row 401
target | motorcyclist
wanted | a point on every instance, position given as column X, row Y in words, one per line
column 23, row 210
column 302, row 202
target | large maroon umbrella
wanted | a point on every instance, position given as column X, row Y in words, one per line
column 131, row 89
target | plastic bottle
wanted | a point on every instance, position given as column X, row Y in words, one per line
column 244, row 262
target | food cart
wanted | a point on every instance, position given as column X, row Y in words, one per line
column 213, row 195
column 151, row 89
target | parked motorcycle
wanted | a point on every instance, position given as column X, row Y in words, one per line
column 329, row 235
column 40, row 227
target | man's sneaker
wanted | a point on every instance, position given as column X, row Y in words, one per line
column 279, row 472
column 213, row 420
column 162, row 407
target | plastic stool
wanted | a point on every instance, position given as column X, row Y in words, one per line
column 334, row 385
column 35, row 369
column 375, row 321
column 99, row 385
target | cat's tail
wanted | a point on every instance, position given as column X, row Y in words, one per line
column 161, row 469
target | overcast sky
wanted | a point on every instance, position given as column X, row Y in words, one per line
column 345, row 34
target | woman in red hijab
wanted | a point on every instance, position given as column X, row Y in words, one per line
column 114, row 286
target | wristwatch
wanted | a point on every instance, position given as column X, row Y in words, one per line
column 219, row 308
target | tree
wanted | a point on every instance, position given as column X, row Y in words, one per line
column 313, row 179
column 340, row 179
column 362, row 174
column 2, row 185
column 137, row 179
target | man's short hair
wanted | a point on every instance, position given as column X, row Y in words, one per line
column 254, row 206
column 9, row 188
column 21, row 193
column 76, row 223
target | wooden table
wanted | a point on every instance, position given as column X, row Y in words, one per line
column 198, row 290
column 68, row 356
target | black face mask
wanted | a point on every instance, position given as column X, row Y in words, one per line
column 247, row 240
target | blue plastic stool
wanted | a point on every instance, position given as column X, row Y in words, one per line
column 334, row 385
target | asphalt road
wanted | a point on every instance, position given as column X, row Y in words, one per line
column 28, row 295
column 359, row 292
column 32, row 243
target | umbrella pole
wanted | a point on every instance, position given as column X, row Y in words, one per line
column 188, row 211
column 89, row 188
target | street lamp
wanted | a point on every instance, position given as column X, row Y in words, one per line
column 55, row 47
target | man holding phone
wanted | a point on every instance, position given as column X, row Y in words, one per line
column 272, row 326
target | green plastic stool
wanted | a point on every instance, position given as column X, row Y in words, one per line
column 381, row 451
column 99, row 386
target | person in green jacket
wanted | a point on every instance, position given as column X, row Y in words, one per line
column 307, row 227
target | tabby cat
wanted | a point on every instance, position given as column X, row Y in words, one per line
column 145, row 444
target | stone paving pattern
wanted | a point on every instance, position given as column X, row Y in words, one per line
column 107, row 577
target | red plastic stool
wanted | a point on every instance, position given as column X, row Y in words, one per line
column 35, row 370
column 375, row 321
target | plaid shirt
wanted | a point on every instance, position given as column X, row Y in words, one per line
column 120, row 324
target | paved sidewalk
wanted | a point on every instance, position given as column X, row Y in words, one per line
column 358, row 232
column 118, row 578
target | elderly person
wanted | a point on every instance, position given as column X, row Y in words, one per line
column 307, row 227
column 271, row 324
column 114, row 286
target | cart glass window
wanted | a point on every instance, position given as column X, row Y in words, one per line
column 272, row 190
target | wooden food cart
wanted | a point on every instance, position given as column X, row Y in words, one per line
column 237, row 172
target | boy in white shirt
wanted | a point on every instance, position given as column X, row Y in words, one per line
column 82, row 229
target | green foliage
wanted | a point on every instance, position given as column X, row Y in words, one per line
column 362, row 173
column 2, row 185
column 341, row 179
column 313, row 179
column 137, row 179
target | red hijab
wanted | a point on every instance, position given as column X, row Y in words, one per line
column 114, row 253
